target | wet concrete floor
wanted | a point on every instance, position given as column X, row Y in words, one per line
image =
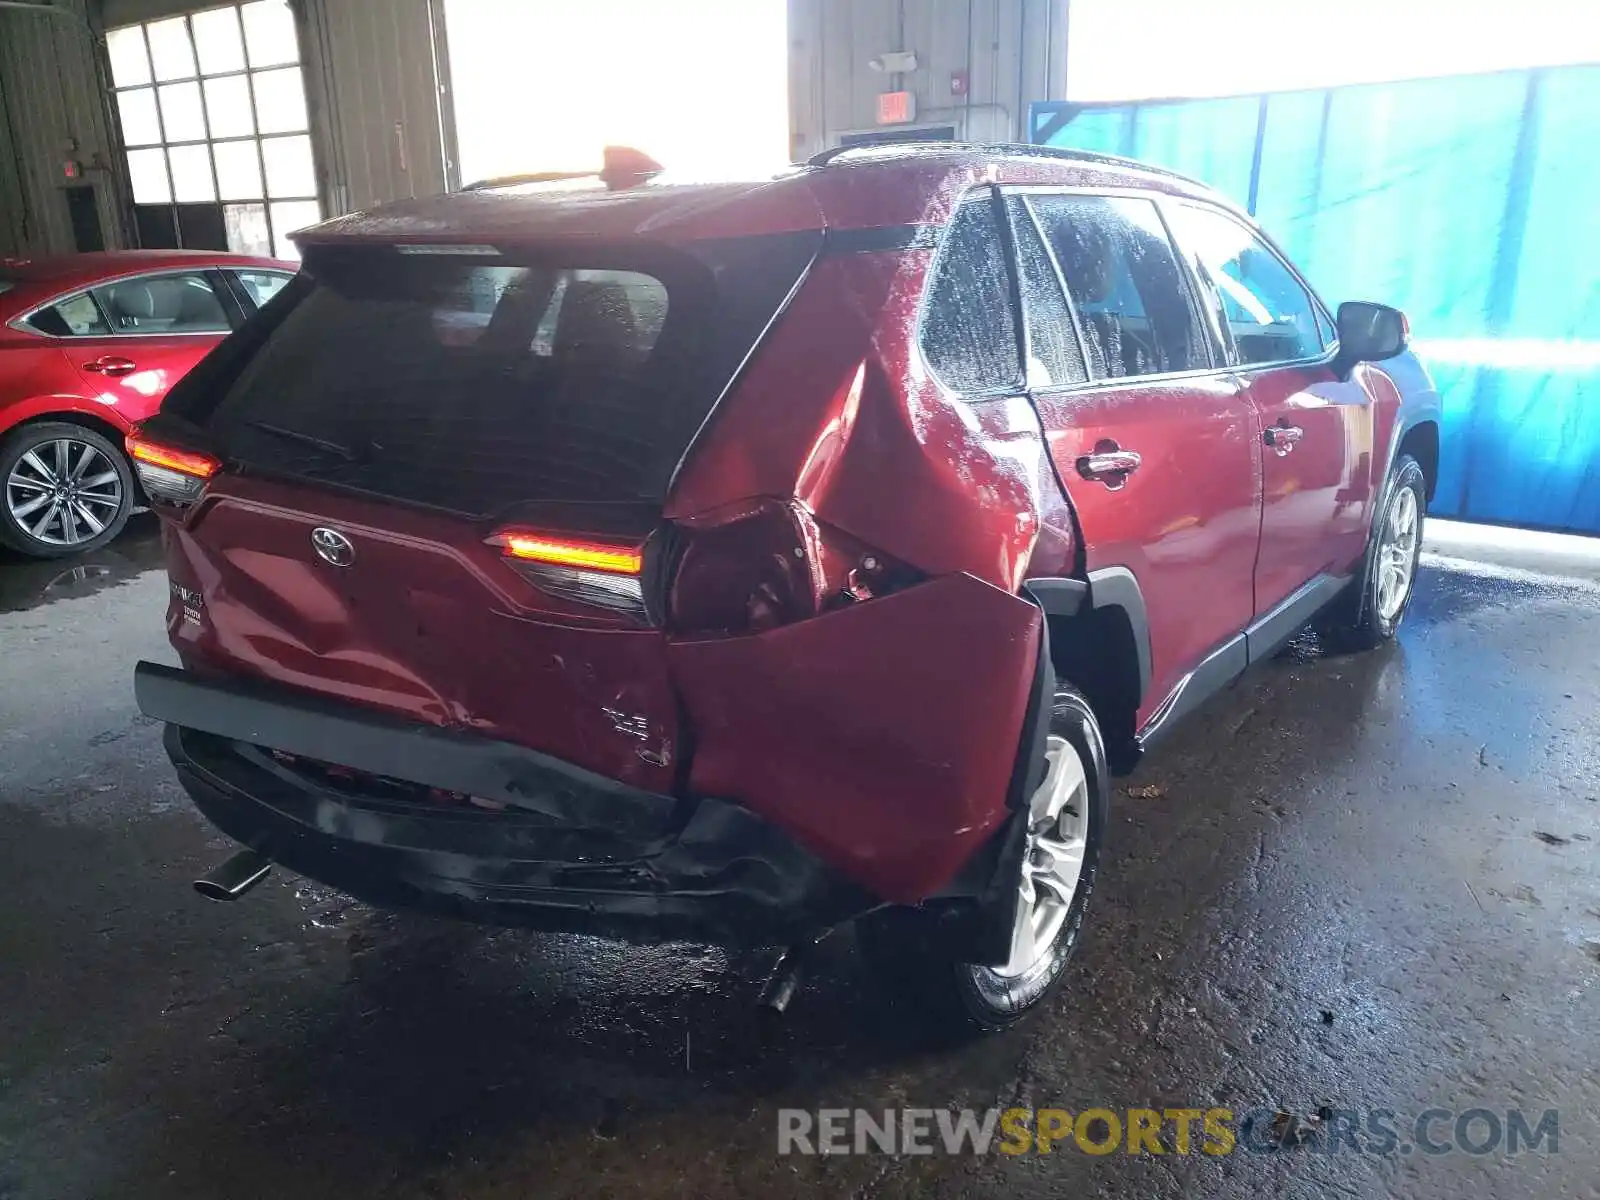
column 1353, row 882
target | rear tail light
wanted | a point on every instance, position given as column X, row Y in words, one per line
column 742, row 571
column 170, row 473
column 605, row 574
column 771, row 566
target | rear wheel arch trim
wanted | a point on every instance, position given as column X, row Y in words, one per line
column 1118, row 587
column 1106, row 588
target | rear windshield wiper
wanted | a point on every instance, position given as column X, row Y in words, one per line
column 305, row 439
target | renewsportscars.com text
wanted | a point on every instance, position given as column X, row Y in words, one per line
column 1181, row 1131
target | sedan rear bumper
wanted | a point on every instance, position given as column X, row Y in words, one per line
column 418, row 817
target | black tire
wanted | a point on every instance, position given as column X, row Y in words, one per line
column 967, row 998
column 1357, row 620
column 52, row 543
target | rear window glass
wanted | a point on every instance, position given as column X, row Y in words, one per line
column 475, row 386
column 969, row 328
column 76, row 316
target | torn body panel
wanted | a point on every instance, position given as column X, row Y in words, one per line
column 844, row 731
column 838, row 411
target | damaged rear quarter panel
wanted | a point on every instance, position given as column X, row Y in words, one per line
column 881, row 736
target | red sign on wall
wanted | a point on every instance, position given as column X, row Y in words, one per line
column 897, row 108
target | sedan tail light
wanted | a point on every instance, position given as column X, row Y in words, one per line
column 170, row 474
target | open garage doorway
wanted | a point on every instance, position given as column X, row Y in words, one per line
column 700, row 85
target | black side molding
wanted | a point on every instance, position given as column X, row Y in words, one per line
column 279, row 718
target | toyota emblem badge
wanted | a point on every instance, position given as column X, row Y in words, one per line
column 332, row 546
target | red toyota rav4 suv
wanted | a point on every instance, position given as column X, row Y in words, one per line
column 732, row 561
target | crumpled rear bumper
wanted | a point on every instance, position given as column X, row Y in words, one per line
column 557, row 849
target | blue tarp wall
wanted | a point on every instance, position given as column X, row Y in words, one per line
column 1473, row 203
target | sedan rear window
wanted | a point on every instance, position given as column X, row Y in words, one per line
column 76, row 316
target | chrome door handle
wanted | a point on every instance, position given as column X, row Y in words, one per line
column 111, row 364
column 1282, row 438
column 1110, row 467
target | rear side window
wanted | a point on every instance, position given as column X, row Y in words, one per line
column 969, row 331
column 261, row 286
column 1268, row 316
column 182, row 303
column 76, row 316
column 1055, row 359
column 475, row 386
column 1125, row 284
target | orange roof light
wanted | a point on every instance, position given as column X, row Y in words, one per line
column 570, row 552
column 185, row 462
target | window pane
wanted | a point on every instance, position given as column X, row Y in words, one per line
column 75, row 317
column 216, row 37
column 147, row 171
column 1123, row 277
column 286, row 218
column 238, row 170
column 1054, row 356
column 129, row 63
column 969, row 333
column 228, row 107
column 191, row 174
column 247, row 229
column 261, row 285
column 288, row 164
column 170, row 50
column 137, row 110
column 181, row 115
column 1269, row 315
column 280, row 100
column 269, row 33
column 163, row 304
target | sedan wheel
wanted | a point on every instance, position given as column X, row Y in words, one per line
column 64, row 489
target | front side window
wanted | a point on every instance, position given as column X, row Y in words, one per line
column 1267, row 314
column 182, row 303
column 1123, row 277
column 76, row 316
column 969, row 331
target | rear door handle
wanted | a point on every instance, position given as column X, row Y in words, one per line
column 1282, row 438
column 111, row 364
column 1110, row 466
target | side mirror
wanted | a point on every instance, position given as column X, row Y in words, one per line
column 1369, row 333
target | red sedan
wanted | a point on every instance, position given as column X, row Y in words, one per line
column 89, row 346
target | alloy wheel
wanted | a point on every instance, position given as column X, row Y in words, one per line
column 1397, row 554
column 1052, row 860
column 64, row 492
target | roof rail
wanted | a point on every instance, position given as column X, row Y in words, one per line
column 624, row 167
column 499, row 181
column 1008, row 149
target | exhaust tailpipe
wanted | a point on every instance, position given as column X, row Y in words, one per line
column 235, row 877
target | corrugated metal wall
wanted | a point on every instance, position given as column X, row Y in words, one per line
column 51, row 99
column 374, row 100
column 1013, row 53
column 372, row 90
